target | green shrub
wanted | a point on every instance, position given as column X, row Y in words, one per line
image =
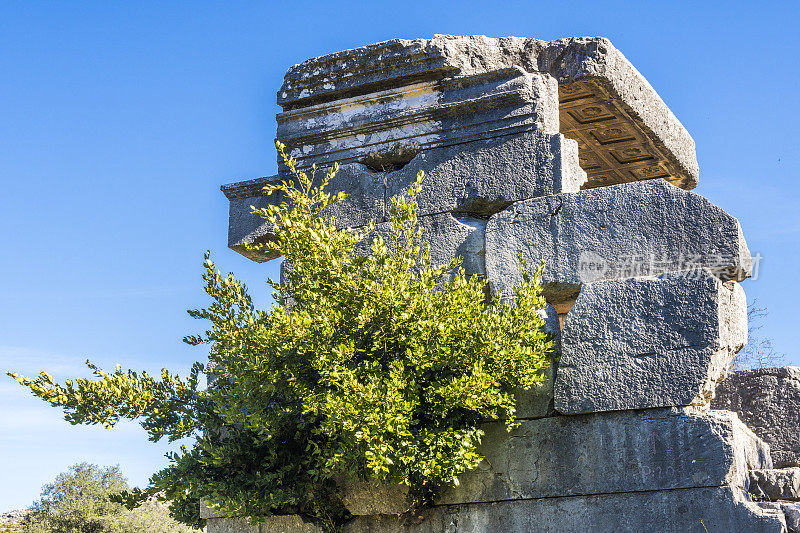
column 381, row 367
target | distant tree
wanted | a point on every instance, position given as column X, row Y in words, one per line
column 78, row 502
column 759, row 351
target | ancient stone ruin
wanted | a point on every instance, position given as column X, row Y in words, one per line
column 767, row 400
column 563, row 151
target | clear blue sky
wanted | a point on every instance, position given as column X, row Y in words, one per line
column 119, row 121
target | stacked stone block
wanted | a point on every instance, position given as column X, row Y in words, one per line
column 768, row 401
column 560, row 150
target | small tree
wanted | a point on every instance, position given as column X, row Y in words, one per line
column 78, row 501
column 381, row 368
column 759, row 351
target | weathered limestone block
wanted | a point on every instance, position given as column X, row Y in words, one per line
column 790, row 510
column 621, row 231
column 776, row 483
column 286, row 268
column 217, row 522
column 230, row 525
column 484, row 177
column 618, row 452
column 366, row 200
column 792, row 513
column 537, row 402
column 669, row 511
column 448, row 235
column 272, row 524
column 625, row 130
column 394, row 63
column 479, row 177
column 244, row 227
column 363, row 498
column 421, row 115
column 649, row 342
column 208, row 512
column 768, row 401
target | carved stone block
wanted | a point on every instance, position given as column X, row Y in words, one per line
column 626, row 132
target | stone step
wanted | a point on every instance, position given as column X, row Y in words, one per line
column 620, row 452
column 605, row 458
column 790, row 510
column 272, row 524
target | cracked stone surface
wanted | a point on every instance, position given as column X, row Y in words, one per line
column 484, row 177
column 768, row 401
column 649, row 342
column 626, row 230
